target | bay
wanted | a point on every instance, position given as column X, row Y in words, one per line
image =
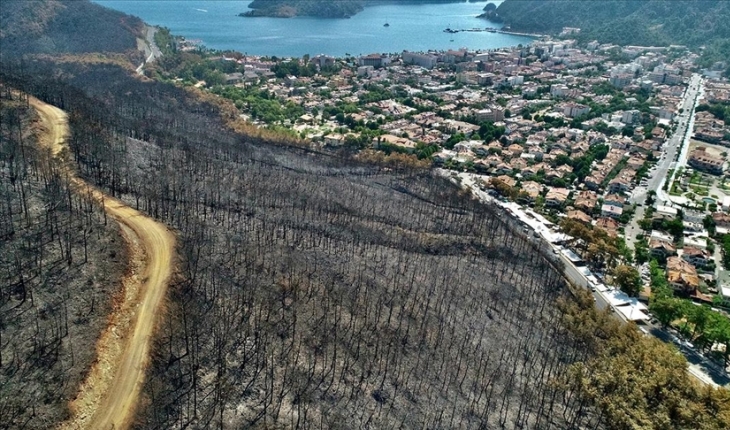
column 413, row 27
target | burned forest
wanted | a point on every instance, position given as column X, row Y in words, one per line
column 315, row 290
column 61, row 263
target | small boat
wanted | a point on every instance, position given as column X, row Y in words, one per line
column 386, row 25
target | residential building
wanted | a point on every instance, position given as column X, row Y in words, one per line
column 609, row 225
column 574, row 110
column 375, row 60
column 489, row 115
column 427, row 61
column 682, row 275
column 579, row 216
column 556, row 197
column 661, row 248
column 586, row 201
column 611, row 211
column 700, row 159
column 696, row 256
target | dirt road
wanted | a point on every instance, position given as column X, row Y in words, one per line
column 108, row 397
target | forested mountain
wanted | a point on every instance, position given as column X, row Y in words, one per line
column 65, row 26
column 640, row 22
column 319, row 8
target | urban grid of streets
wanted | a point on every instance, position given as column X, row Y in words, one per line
column 674, row 154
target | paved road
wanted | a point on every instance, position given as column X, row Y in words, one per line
column 151, row 50
column 109, row 396
column 673, row 146
column 698, row 366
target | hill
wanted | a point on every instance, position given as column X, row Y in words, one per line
column 647, row 22
column 318, row 290
column 65, row 26
column 318, row 8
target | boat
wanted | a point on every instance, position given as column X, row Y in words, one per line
column 386, row 25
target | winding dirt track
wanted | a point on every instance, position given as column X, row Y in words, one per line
column 108, row 397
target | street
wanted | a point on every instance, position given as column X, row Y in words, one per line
column 672, row 147
column 698, row 366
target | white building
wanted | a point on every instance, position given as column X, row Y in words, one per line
column 427, row 61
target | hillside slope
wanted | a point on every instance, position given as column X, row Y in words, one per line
column 65, row 26
column 646, row 22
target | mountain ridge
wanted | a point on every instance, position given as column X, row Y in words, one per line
column 648, row 22
column 65, row 26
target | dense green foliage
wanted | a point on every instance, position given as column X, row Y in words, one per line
column 719, row 111
column 65, row 26
column 700, row 324
column 636, row 381
column 321, row 8
column 689, row 22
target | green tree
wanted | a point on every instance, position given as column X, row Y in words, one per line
column 628, row 279
column 709, row 224
column 641, row 251
column 667, row 309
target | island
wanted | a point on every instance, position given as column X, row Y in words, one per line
column 316, row 8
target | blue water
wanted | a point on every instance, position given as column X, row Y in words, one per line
column 412, row 27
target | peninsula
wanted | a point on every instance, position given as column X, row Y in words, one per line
column 316, row 8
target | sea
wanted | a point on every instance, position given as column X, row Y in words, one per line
column 413, row 27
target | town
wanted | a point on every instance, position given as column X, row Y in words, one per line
column 615, row 155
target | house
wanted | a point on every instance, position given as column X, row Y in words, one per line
column 556, row 197
column 592, row 182
column 614, row 200
column 667, row 212
column 609, row 225
column 515, row 149
column 233, row 78
column 510, row 182
column 531, row 190
column 580, row 216
column 661, row 248
column 400, row 142
column 700, row 159
column 443, row 156
column 619, row 185
column 564, row 170
column 721, row 219
column 696, row 256
column 611, row 211
column 586, row 201
column 334, row 140
column 503, row 168
column 682, row 275
column 528, row 171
